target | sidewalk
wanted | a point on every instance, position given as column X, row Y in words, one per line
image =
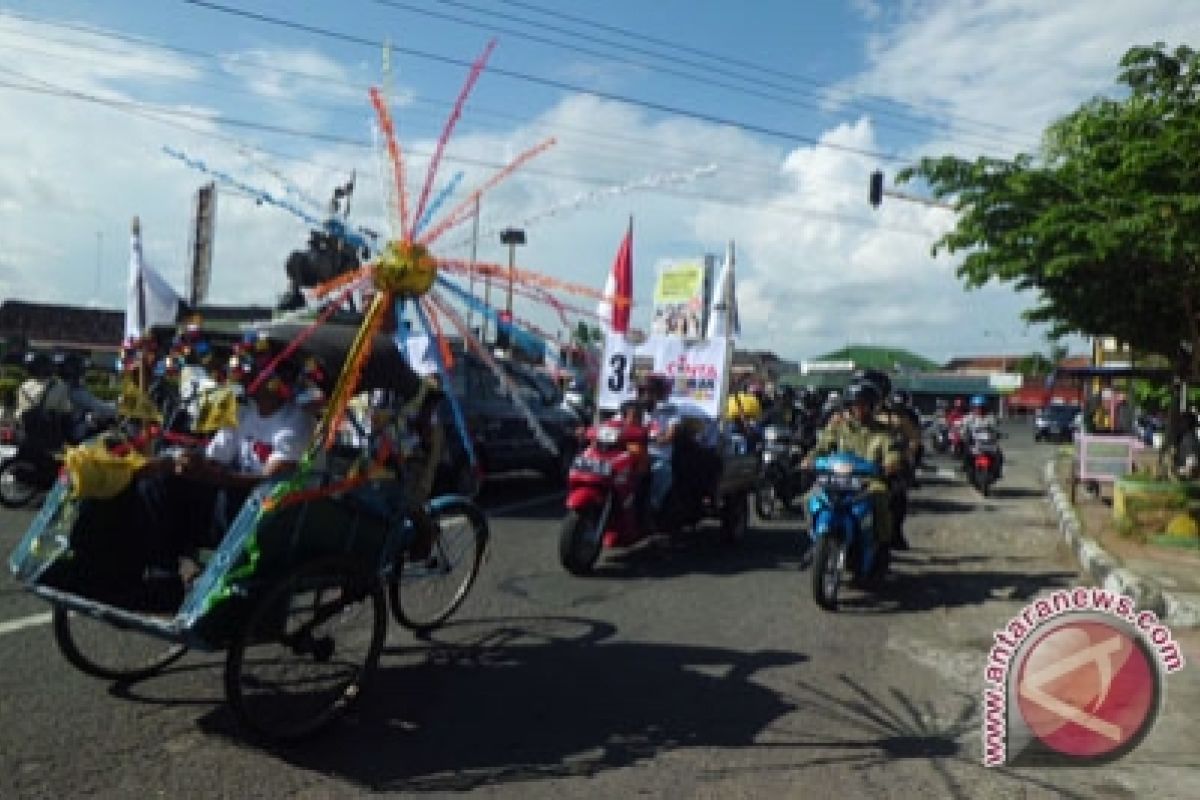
column 1165, row 580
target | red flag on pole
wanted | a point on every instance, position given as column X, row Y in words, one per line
column 618, row 290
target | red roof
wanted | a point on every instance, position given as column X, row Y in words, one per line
column 1040, row 396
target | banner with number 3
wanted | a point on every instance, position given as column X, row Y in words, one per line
column 617, row 384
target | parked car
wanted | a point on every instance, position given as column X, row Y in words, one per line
column 1056, row 423
column 500, row 434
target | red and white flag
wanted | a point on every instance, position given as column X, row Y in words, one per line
column 615, row 308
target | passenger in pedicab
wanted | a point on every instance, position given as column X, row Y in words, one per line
column 187, row 501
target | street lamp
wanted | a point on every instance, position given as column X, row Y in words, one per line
column 511, row 237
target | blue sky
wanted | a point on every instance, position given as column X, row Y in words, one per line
column 818, row 94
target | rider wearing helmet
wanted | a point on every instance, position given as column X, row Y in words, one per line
column 664, row 420
column 859, row 433
column 43, row 402
column 907, row 436
column 980, row 419
column 83, row 402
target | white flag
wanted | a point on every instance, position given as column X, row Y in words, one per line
column 723, row 314
column 150, row 299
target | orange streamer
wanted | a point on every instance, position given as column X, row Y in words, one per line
column 459, row 266
column 333, row 284
column 356, row 359
column 466, row 209
column 389, row 135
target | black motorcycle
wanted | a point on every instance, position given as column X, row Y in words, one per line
column 782, row 479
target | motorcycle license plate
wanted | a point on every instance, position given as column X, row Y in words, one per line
column 845, row 483
column 7, row 451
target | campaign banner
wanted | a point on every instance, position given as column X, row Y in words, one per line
column 617, row 383
column 679, row 300
column 696, row 370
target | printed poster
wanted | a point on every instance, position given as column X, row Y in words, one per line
column 679, row 302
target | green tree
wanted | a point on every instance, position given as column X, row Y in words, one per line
column 1103, row 224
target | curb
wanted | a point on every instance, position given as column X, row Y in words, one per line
column 1107, row 572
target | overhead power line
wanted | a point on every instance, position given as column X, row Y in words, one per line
column 748, row 65
column 748, row 86
column 157, row 114
column 550, row 83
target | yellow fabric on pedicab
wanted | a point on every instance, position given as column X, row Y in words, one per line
column 96, row 473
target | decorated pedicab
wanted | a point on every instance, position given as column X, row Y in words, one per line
column 297, row 591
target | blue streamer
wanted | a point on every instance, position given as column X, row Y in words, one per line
column 448, row 385
column 443, row 195
column 333, row 226
column 521, row 337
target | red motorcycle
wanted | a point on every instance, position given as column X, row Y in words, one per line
column 605, row 508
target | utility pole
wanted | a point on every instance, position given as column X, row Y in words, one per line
column 471, row 274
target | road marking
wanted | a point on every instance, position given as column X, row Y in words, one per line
column 12, row 626
column 523, row 504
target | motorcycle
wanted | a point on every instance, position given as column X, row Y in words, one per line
column 842, row 527
column 603, row 508
column 957, row 443
column 782, row 480
column 30, row 472
column 982, row 463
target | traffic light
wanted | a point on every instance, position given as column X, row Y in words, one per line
column 876, row 194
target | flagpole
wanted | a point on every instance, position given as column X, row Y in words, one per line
column 727, row 378
column 140, row 322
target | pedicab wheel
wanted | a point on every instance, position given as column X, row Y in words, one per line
column 735, row 518
column 307, row 650
column 105, row 651
column 424, row 594
column 18, row 482
column 828, row 564
column 766, row 501
column 580, row 541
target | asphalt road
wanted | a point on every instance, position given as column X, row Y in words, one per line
column 689, row 669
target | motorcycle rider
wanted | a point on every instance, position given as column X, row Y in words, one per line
column 83, row 402
column 901, row 403
column 664, row 420
column 859, row 433
column 43, row 402
column 981, row 419
column 907, row 438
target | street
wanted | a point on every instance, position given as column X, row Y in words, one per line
column 689, row 669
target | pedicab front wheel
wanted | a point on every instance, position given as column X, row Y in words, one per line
column 425, row 593
column 307, row 650
column 108, row 652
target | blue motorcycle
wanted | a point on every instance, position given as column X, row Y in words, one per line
column 842, row 526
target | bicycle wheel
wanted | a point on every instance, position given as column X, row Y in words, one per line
column 424, row 594
column 18, row 482
column 307, row 649
column 103, row 650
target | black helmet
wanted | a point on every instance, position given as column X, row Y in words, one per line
column 655, row 383
column 862, row 391
column 71, row 368
column 38, row 365
column 878, row 377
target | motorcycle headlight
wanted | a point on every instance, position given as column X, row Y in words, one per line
column 843, row 468
column 771, row 434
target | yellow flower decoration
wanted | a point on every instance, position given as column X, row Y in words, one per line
column 405, row 268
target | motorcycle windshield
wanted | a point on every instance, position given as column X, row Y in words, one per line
column 847, row 463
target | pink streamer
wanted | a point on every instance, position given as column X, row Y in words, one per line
column 389, row 135
column 431, row 173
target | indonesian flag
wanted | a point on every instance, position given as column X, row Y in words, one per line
column 615, row 308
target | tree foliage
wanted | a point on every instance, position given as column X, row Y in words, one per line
column 1103, row 224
